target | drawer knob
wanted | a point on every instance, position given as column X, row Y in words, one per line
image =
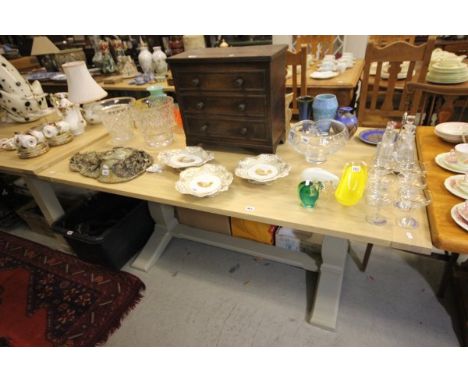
column 200, row 105
column 242, row 106
column 196, row 82
column 243, row 131
column 204, row 128
column 239, row 81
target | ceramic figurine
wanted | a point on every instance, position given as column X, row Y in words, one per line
column 21, row 101
column 176, row 44
column 97, row 58
column 72, row 115
column 108, row 64
column 159, row 63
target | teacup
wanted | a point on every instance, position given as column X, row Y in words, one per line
column 461, row 151
column 341, row 67
column 50, row 131
column 329, row 57
column 27, row 141
column 463, row 183
column 327, row 66
column 463, row 211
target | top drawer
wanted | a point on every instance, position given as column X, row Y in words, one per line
column 252, row 80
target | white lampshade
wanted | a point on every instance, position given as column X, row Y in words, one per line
column 42, row 45
column 81, row 86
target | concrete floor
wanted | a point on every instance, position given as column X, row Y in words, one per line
column 199, row 295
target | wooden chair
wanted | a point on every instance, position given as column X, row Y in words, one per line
column 378, row 104
column 382, row 40
column 327, row 42
column 298, row 60
column 439, row 103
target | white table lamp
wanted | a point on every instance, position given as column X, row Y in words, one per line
column 81, row 89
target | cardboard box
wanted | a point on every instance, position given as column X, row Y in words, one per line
column 204, row 220
column 246, row 229
column 298, row 241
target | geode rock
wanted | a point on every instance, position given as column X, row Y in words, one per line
column 120, row 164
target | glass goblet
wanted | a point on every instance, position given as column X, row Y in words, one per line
column 406, row 204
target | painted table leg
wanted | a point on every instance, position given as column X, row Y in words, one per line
column 45, row 197
column 165, row 220
column 327, row 297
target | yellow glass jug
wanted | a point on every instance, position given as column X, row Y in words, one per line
column 352, row 183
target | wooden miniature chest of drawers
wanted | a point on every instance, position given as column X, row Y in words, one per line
column 232, row 97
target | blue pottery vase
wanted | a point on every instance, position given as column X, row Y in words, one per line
column 346, row 116
column 324, row 106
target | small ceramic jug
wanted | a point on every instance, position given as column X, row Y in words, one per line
column 324, row 106
column 346, row 116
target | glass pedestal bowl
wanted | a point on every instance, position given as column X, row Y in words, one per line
column 316, row 140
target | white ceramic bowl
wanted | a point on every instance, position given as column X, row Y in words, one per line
column 452, row 132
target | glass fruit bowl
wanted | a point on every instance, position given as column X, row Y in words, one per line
column 316, row 140
column 91, row 111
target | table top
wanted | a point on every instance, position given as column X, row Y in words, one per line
column 276, row 203
column 11, row 163
column 118, row 83
column 346, row 80
column 446, row 234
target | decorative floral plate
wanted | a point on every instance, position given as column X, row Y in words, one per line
column 440, row 159
column 457, row 216
column 191, row 156
column 207, row 180
column 452, row 184
column 372, row 137
column 263, row 168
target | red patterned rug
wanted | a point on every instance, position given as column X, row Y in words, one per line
column 49, row 298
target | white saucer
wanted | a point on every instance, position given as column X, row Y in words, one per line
column 323, row 75
column 457, row 218
column 440, row 160
column 451, row 184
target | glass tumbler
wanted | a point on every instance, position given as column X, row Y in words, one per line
column 154, row 117
column 118, row 122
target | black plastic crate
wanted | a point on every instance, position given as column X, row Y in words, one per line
column 107, row 229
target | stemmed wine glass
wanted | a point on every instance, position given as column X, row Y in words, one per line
column 409, row 201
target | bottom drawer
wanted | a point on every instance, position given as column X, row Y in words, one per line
column 226, row 128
